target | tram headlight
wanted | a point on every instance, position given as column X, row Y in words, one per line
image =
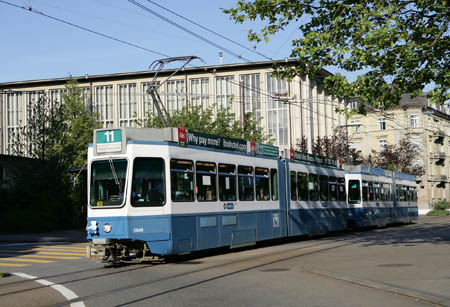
column 107, row 228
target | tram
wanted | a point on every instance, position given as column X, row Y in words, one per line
column 378, row 197
column 159, row 192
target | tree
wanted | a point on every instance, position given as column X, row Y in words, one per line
column 56, row 137
column 200, row 119
column 397, row 158
column 397, row 46
column 334, row 146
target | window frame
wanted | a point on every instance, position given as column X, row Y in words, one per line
column 192, row 172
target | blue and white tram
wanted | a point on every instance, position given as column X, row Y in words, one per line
column 316, row 197
column 406, row 209
column 150, row 196
column 378, row 197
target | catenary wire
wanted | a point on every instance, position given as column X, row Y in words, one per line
column 145, row 8
column 30, row 9
column 209, row 30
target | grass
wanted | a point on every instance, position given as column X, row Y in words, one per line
column 4, row 274
column 439, row 208
column 438, row 212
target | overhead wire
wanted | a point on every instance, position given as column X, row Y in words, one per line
column 209, row 30
column 147, row 9
column 30, row 9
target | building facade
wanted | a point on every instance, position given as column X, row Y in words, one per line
column 425, row 125
column 286, row 110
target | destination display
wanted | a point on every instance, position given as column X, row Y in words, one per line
column 109, row 141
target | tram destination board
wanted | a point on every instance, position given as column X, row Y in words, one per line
column 109, row 140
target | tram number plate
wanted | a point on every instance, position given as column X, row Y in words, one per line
column 228, row 206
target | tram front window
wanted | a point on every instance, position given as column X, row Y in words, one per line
column 148, row 187
column 354, row 192
column 108, row 183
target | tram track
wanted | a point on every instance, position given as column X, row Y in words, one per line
column 239, row 267
column 235, row 267
column 141, row 267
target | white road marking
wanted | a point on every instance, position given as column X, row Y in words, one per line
column 67, row 293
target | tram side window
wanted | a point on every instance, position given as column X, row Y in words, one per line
column 323, row 181
column 408, row 194
column 274, row 183
column 148, row 188
column 262, row 183
column 371, row 192
column 302, row 181
column 341, row 189
column 206, row 181
column 376, row 188
column 227, row 182
column 245, row 183
column 333, row 188
column 182, row 180
column 354, row 194
column 387, row 191
column 382, row 192
column 313, row 187
column 365, row 191
column 108, row 183
column 293, row 186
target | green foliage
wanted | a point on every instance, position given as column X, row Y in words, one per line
column 224, row 123
column 441, row 205
column 3, row 274
column 438, row 213
column 396, row 46
column 57, row 138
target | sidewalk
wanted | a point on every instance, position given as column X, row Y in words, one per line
column 73, row 236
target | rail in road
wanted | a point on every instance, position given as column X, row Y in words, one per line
column 168, row 279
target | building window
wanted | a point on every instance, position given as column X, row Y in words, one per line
column 104, row 105
column 87, row 99
column 14, row 122
column 357, row 125
column 381, row 123
column 176, row 96
column 149, row 109
column 251, row 95
column 128, row 105
column 277, row 113
column 382, row 144
column 56, row 95
column 414, row 121
column 354, row 105
column 224, row 91
column 200, row 92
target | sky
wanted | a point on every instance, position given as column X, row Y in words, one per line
column 37, row 47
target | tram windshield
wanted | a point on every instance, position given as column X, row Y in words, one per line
column 108, row 183
column 354, row 192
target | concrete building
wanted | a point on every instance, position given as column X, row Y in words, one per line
column 287, row 110
column 426, row 125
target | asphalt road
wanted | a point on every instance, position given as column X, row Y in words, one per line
column 396, row 266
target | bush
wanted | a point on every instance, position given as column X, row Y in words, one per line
column 441, row 205
column 438, row 213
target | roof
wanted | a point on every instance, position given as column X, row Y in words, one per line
column 151, row 73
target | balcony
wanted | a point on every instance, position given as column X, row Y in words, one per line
column 438, row 178
column 439, row 155
column 439, row 137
